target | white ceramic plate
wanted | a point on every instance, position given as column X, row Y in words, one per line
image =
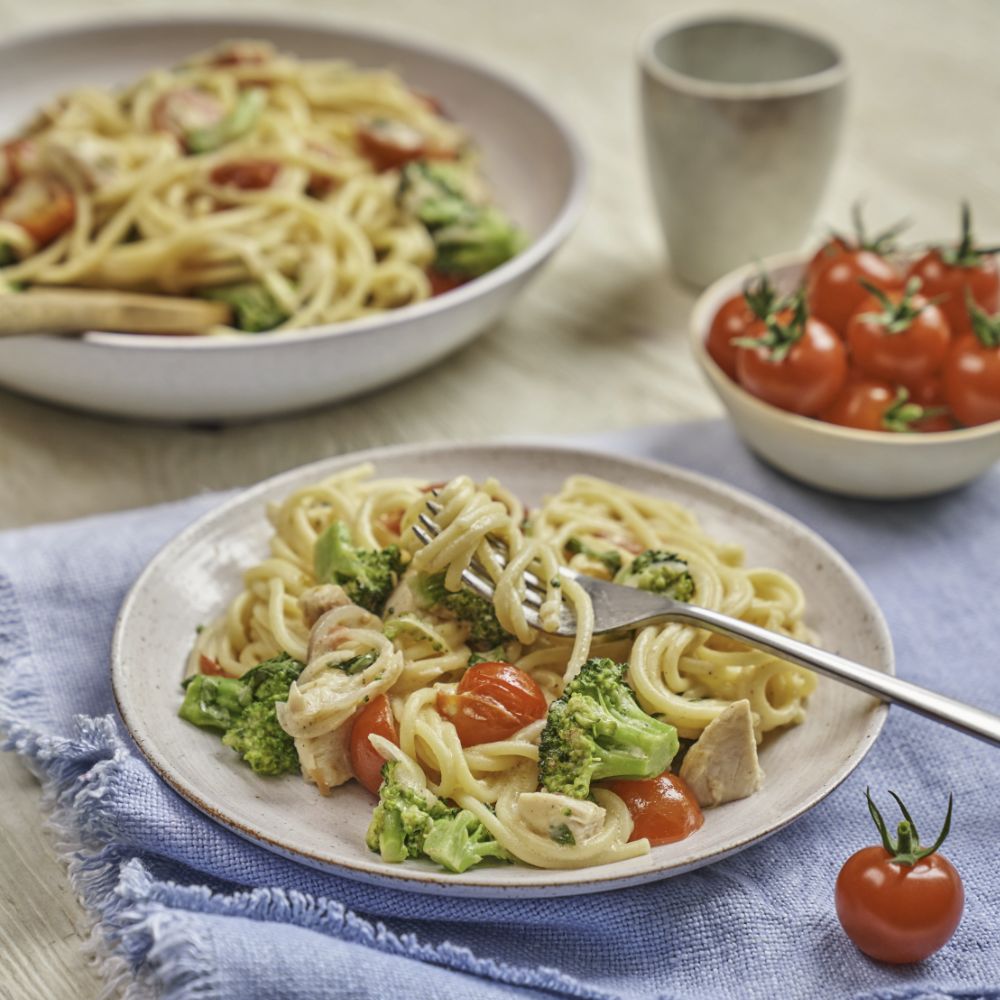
column 532, row 162
column 192, row 580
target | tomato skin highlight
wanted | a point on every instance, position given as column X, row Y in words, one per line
column 971, row 378
column 376, row 718
column 950, row 281
column 663, row 809
column 896, row 912
column 733, row 319
column 807, row 380
column 492, row 702
column 834, row 291
column 912, row 355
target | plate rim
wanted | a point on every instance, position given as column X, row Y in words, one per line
column 548, row 882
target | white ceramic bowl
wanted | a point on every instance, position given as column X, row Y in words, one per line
column 534, row 166
column 839, row 459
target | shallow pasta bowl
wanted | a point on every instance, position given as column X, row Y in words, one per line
column 858, row 463
column 192, row 581
column 532, row 162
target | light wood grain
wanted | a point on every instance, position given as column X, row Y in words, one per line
column 597, row 343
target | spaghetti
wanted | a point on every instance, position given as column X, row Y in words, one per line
column 681, row 675
column 300, row 192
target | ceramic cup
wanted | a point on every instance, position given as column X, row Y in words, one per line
column 741, row 116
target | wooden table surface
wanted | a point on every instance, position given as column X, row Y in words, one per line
column 597, row 342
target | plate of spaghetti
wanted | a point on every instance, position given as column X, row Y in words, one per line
column 302, row 668
column 362, row 206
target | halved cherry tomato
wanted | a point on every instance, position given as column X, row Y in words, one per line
column 948, row 273
column 206, row 665
column 441, row 283
column 663, row 809
column 899, row 902
column 41, row 205
column 247, row 175
column 493, row 701
column 800, row 365
column 971, row 373
column 376, row 718
column 388, row 143
column 834, row 291
column 898, row 335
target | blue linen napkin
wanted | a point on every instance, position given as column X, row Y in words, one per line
column 182, row 908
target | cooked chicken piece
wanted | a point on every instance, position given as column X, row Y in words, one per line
column 560, row 818
column 329, row 631
column 722, row 765
column 326, row 759
column 316, row 601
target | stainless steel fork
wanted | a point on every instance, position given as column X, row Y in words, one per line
column 618, row 607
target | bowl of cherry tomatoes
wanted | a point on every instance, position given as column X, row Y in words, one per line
column 858, row 369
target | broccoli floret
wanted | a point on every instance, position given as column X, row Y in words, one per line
column 498, row 654
column 254, row 307
column 660, row 573
column 482, row 239
column 485, row 631
column 408, row 823
column 458, row 842
column 237, row 123
column 243, row 707
column 612, row 559
column 470, row 238
column 367, row 576
column 597, row 730
column 265, row 746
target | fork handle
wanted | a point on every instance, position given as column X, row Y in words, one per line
column 972, row 721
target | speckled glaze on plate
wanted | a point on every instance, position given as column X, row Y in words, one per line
column 191, row 581
column 532, row 162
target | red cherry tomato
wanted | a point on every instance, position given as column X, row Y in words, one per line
column 493, row 701
column 899, row 910
column 971, row 378
column 733, row 319
column 949, row 273
column 247, row 175
column 376, row 718
column 441, row 283
column 834, row 291
column 41, row 205
column 902, row 338
column 836, row 246
column 663, row 809
column 807, row 378
column 862, row 404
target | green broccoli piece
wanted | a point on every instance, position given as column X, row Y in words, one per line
column 367, row 576
column 498, row 654
column 265, row 746
column 470, row 238
column 485, row 630
column 244, row 708
column 597, row 730
column 660, row 573
column 254, row 307
column 612, row 559
column 482, row 239
column 408, row 823
column 248, row 108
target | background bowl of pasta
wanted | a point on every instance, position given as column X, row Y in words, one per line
column 382, row 320
column 195, row 578
column 839, row 459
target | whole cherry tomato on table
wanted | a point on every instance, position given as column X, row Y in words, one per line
column 734, row 318
column 899, row 902
column 898, row 335
column 971, row 373
column 948, row 273
column 663, row 809
column 793, row 361
column 492, row 702
column 377, row 718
